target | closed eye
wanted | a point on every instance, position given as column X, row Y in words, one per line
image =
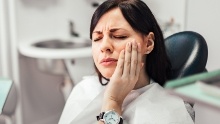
column 97, row 39
column 120, row 37
column 116, row 36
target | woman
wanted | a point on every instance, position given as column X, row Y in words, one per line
column 129, row 53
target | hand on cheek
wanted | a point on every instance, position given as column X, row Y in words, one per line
column 125, row 75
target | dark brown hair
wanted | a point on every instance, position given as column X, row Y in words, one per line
column 142, row 20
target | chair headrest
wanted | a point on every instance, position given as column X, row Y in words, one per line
column 188, row 53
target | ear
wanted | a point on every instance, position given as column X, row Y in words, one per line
column 149, row 42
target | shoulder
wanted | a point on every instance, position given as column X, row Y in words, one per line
column 174, row 101
column 159, row 106
column 87, row 88
column 82, row 94
column 89, row 83
column 159, row 93
column 161, row 98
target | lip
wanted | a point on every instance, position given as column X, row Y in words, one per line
column 108, row 61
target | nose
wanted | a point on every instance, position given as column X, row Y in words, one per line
column 106, row 45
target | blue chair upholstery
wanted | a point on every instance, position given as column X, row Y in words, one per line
column 188, row 53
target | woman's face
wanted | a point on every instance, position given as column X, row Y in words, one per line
column 109, row 37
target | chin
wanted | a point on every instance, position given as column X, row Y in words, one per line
column 107, row 73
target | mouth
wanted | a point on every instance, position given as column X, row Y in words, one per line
column 108, row 61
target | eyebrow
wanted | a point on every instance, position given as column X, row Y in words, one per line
column 98, row 32
column 114, row 29
column 111, row 30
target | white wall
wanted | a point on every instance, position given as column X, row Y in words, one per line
column 4, row 35
column 165, row 10
column 203, row 17
column 52, row 20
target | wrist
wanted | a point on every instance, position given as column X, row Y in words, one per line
column 112, row 105
column 109, row 117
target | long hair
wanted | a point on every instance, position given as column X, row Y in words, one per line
column 142, row 20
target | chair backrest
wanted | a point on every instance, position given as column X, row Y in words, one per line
column 188, row 53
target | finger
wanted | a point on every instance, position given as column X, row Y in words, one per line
column 120, row 64
column 127, row 61
column 134, row 59
column 139, row 64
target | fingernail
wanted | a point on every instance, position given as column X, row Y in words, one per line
column 128, row 44
column 123, row 51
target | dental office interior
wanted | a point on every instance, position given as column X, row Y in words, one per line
column 43, row 78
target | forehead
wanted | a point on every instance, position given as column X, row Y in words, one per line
column 112, row 19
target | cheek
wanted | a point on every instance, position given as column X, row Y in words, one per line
column 95, row 52
column 143, row 46
column 120, row 45
column 143, row 50
column 120, row 48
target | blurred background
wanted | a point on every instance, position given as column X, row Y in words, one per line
column 45, row 49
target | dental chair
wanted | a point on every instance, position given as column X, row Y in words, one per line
column 188, row 53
